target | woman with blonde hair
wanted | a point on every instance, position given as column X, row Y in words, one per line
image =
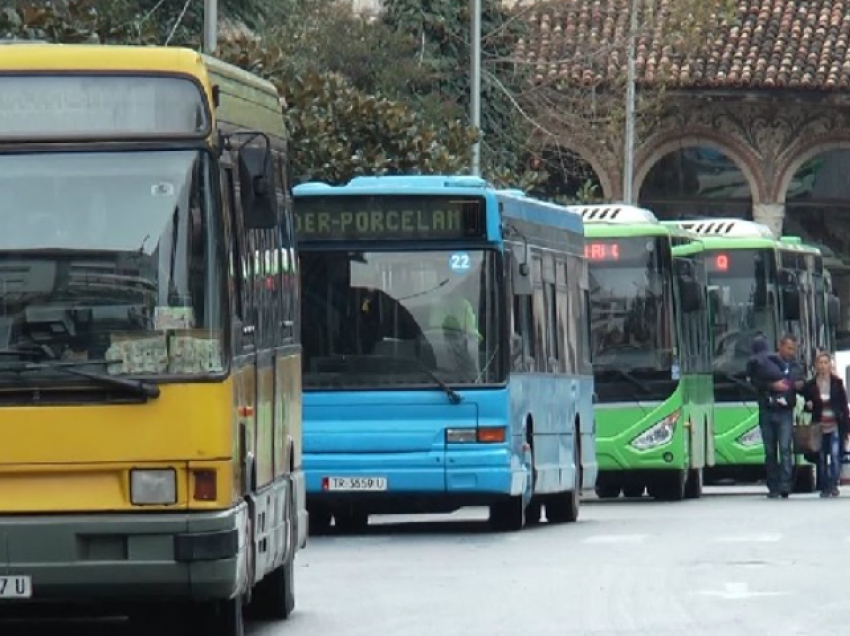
column 826, row 400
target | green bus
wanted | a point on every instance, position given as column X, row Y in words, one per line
column 756, row 284
column 651, row 363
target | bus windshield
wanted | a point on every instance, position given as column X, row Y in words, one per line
column 109, row 256
column 631, row 305
column 743, row 291
column 388, row 319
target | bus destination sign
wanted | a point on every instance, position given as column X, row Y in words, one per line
column 77, row 106
column 389, row 217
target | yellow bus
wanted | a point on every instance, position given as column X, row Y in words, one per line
column 150, row 382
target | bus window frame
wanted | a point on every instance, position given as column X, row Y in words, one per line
column 214, row 200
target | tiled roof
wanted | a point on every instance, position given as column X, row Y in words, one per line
column 800, row 44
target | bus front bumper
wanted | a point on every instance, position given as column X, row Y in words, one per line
column 126, row 557
column 465, row 476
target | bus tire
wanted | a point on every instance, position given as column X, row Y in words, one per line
column 693, row 489
column 318, row 522
column 351, row 522
column 634, row 490
column 607, row 491
column 508, row 515
column 219, row 618
column 564, row 507
column 273, row 598
column 668, row 485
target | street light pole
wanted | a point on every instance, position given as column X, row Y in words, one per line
column 475, row 83
column 629, row 149
column 210, row 26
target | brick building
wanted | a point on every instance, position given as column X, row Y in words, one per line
column 756, row 123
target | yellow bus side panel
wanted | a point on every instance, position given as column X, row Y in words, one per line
column 288, row 399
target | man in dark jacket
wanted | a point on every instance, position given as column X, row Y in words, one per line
column 765, row 368
column 777, row 399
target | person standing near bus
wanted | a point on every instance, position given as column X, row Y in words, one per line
column 776, row 417
column 826, row 400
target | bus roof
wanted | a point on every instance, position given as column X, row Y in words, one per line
column 398, row 184
column 729, row 228
column 711, row 243
column 39, row 56
column 614, row 214
column 100, row 57
column 517, row 205
column 796, row 244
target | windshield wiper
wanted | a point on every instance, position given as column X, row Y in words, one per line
column 454, row 396
column 139, row 387
column 624, row 374
column 31, row 352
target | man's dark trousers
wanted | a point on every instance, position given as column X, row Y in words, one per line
column 777, row 434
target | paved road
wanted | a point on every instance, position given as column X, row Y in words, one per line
column 734, row 563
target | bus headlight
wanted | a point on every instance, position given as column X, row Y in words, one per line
column 153, row 487
column 658, row 434
column 751, row 438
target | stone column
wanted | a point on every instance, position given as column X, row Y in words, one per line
column 770, row 214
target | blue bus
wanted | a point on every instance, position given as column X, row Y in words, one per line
column 446, row 359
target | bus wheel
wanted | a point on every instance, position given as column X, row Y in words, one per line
column 220, row 618
column 693, row 489
column 564, row 507
column 509, row 515
column 318, row 522
column 273, row 598
column 607, row 491
column 668, row 485
column 534, row 512
column 634, row 490
column 351, row 522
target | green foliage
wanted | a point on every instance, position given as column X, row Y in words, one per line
column 441, row 31
column 344, row 133
column 339, row 131
column 178, row 22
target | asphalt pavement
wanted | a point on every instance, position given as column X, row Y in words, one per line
column 732, row 563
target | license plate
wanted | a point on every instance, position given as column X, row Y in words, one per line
column 360, row 484
column 15, row 587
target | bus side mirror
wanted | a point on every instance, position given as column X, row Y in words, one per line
column 257, row 188
column 833, row 311
column 521, row 275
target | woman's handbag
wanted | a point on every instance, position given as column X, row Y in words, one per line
column 807, row 438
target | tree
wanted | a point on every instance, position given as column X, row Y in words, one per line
column 581, row 104
column 440, row 31
column 176, row 22
column 339, row 131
